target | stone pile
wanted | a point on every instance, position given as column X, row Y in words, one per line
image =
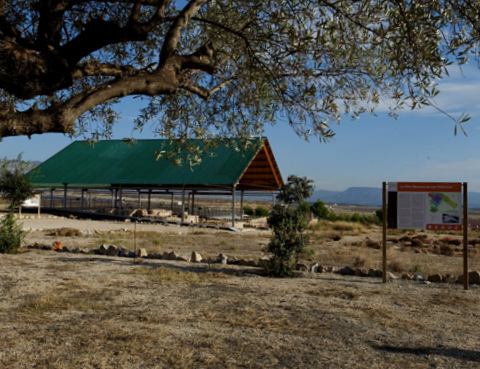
column 196, row 257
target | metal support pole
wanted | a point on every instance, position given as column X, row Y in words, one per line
column 82, row 199
column 120, row 201
column 241, row 204
column 233, row 205
column 51, row 197
column 65, row 196
column 465, row 237
column 149, row 199
column 183, row 204
column 192, row 211
column 115, row 199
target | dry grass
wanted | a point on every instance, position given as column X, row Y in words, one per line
column 60, row 311
column 63, row 310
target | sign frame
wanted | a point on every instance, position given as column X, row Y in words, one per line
column 445, row 196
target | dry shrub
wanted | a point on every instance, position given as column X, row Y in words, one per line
column 66, row 232
column 167, row 275
column 395, row 266
column 450, row 241
column 417, row 242
column 447, row 249
column 336, row 230
column 359, row 262
column 373, row 244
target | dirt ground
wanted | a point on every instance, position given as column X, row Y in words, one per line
column 67, row 310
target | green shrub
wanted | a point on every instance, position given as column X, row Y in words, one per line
column 319, row 209
column 289, row 240
column 15, row 186
column 356, row 218
column 303, row 207
column 11, row 234
column 260, row 211
column 248, row 210
column 289, row 225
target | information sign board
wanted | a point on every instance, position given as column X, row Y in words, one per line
column 425, row 205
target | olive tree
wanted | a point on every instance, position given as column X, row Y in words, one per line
column 222, row 68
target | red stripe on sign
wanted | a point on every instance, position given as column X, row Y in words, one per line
column 444, row 227
column 429, row 187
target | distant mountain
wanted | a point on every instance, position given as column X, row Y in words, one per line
column 364, row 196
column 369, row 196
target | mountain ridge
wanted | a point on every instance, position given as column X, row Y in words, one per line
column 369, row 196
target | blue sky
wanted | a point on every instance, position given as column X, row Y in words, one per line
column 418, row 146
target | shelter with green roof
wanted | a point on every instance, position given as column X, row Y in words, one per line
column 118, row 165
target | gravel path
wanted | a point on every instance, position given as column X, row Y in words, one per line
column 49, row 222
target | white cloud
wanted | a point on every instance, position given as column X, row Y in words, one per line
column 459, row 94
column 454, row 171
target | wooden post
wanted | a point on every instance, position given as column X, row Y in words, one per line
column 384, row 232
column 39, row 204
column 465, row 236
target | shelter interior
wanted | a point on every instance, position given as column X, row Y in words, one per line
column 211, row 195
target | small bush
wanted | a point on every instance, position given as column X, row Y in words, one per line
column 248, row 210
column 66, row 232
column 288, row 224
column 289, row 240
column 359, row 262
column 157, row 242
column 320, row 209
column 11, row 234
column 396, row 266
column 447, row 250
column 260, row 211
column 303, row 207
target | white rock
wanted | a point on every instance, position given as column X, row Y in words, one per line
column 196, row 257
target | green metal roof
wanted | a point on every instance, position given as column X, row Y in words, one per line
column 115, row 162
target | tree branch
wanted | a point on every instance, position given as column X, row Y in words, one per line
column 33, row 121
column 102, row 69
column 173, row 35
column 99, row 33
column 61, row 118
column 50, row 20
column 201, row 59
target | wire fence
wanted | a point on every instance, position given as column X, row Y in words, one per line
column 134, row 204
